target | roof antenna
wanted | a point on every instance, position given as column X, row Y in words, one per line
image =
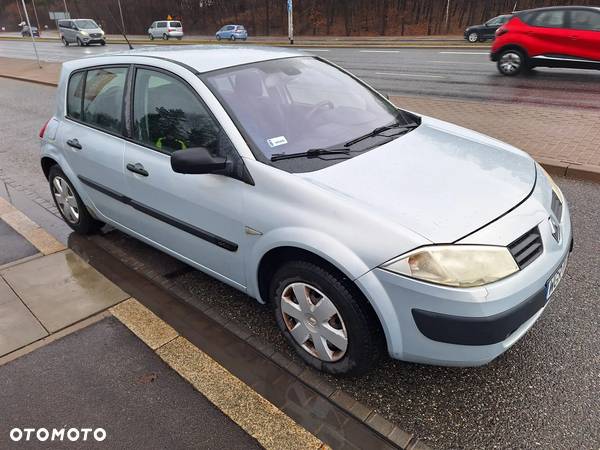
column 121, row 29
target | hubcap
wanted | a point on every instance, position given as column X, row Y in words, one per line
column 314, row 322
column 473, row 37
column 65, row 199
column 510, row 62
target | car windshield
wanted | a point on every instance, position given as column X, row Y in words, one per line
column 293, row 105
column 86, row 24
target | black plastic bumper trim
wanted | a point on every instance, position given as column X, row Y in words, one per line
column 477, row 330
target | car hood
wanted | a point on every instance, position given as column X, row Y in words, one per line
column 440, row 180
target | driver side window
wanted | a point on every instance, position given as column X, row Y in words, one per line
column 168, row 116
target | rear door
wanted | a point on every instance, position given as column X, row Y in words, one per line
column 547, row 34
column 584, row 33
column 196, row 216
column 91, row 136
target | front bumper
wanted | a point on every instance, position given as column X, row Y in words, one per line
column 440, row 325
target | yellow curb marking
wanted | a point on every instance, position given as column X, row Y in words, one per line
column 37, row 236
column 271, row 427
column 144, row 323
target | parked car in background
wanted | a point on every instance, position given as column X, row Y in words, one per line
column 566, row 36
column 294, row 182
column 80, row 32
column 166, row 29
column 25, row 31
column 481, row 33
column 232, row 32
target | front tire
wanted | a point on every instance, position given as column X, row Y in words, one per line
column 232, row 38
column 325, row 319
column 103, row 43
column 473, row 37
column 69, row 204
column 511, row 62
column 64, row 41
column 151, row 36
column 79, row 43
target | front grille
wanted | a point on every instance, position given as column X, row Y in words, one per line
column 95, row 35
column 527, row 248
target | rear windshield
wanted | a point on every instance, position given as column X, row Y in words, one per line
column 241, row 28
column 86, row 24
column 176, row 24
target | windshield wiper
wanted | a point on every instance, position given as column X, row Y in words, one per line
column 312, row 153
column 379, row 130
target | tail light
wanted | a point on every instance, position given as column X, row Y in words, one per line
column 500, row 31
column 43, row 130
column 170, row 29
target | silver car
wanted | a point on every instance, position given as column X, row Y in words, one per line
column 165, row 29
column 370, row 229
column 80, row 32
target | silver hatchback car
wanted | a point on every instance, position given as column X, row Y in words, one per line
column 368, row 228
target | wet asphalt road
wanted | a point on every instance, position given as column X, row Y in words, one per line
column 543, row 393
column 459, row 73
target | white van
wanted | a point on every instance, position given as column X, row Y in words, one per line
column 165, row 29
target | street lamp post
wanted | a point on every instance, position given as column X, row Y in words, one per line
column 290, row 8
column 121, row 13
column 31, row 33
column 447, row 15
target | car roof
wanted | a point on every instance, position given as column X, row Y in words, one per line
column 205, row 58
column 550, row 8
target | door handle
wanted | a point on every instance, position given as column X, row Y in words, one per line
column 137, row 168
column 74, row 143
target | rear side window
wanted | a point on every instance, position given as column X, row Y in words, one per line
column 549, row 19
column 584, row 20
column 75, row 95
column 103, row 98
column 176, row 24
column 168, row 116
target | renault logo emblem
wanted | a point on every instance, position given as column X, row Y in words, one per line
column 554, row 228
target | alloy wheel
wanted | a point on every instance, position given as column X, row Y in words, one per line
column 314, row 322
column 65, row 199
column 510, row 62
column 473, row 37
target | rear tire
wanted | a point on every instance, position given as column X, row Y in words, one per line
column 232, row 38
column 69, row 204
column 473, row 37
column 511, row 62
column 218, row 38
column 165, row 37
column 336, row 317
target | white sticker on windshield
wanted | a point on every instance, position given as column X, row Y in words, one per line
column 277, row 141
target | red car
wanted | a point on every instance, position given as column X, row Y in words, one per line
column 549, row 37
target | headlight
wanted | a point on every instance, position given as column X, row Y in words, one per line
column 555, row 187
column 85, row 33
column 456, row 265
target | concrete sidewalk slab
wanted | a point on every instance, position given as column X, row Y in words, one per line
column 18, row 327
column 13, row 246
column 62, row 289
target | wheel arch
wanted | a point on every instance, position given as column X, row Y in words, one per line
column 47, row 163
column 513, row 47
column 276, row 256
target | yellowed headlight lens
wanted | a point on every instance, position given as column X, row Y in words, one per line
column 456, row 265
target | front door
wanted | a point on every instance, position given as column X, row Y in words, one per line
column 198, row 217
column 584, row 33
column 91, row 138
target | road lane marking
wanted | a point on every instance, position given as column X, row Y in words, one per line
column 379, row 51
column 313, row 50
column 464, row 53
column 460, row 62
column 416, row 75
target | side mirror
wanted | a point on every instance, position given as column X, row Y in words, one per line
column 197, row 160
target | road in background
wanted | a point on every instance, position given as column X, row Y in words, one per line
column 541, row 394
column 453, row 73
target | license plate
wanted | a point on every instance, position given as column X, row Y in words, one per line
column 552, row 283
